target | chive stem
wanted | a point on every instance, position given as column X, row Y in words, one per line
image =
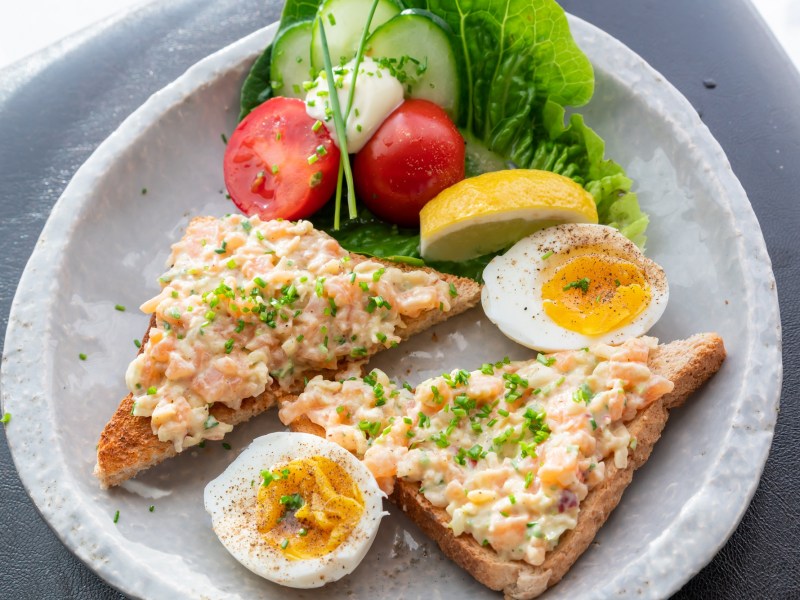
column 359, row 58
column 351, row 198
column 339, row 124
column 337, row 206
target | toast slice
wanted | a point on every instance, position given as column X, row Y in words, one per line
column 687, row 363
column 127, row 444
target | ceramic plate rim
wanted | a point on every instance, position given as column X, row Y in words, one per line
column 25, row 335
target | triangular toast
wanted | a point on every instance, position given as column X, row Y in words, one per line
column 687, row 363
column 127, row 444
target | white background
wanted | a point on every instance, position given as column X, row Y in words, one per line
column 27, row 26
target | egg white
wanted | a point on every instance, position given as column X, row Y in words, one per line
column 231, row 500
column 512, row 292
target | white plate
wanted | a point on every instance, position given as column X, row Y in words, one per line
column 105, row 244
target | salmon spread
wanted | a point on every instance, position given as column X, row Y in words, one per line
column 509, row 450
column 247, row 304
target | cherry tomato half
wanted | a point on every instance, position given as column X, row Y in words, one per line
column 415, row 154
column 278, row 163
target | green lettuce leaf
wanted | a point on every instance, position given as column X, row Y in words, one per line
column 295, row 11
column 576, row 151
column 256, row 88
column 370, row 236
column 517, row 54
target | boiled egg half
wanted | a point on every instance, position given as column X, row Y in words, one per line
column 296, row 509
column 570, row 286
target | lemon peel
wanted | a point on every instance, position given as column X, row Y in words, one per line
column 490, row 212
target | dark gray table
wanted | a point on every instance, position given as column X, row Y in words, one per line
column 57, row 107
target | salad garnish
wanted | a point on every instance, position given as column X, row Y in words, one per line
column 513, row 68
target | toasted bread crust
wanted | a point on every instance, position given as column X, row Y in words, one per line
column 687, row 363
column 127, row 444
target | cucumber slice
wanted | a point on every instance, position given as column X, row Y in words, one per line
column 422, row 50
column 291, row 60
column 344, row 23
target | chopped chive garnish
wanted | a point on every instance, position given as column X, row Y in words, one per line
column 6, row 418
column 315, row 127
column 547, row 255
column 116, row 517
column 545, row 360
column 332, row 308
column 82, row 356
column 475, row 452
column 293, row 501
column 581, row 284
column 151, row 391
column 226, row 445
column 119, row 307
column 583, row 394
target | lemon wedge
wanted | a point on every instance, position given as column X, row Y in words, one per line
column 490, row 212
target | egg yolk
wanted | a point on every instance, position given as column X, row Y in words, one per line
column 308, row 507
column 593, row 294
